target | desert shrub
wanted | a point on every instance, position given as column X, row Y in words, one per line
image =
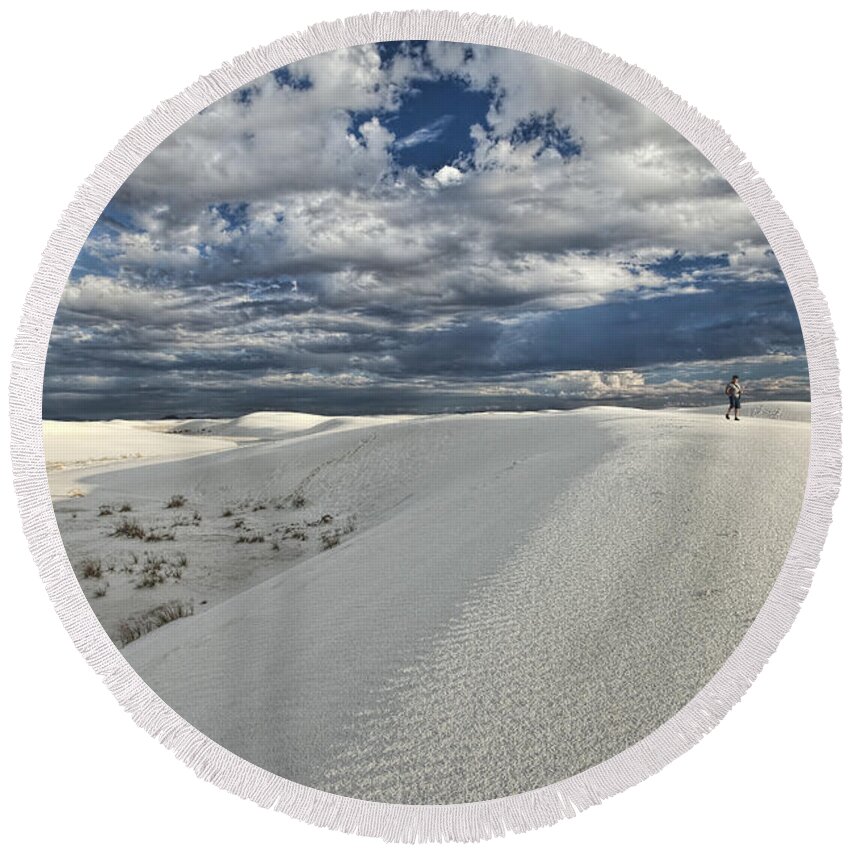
column 331, row 538
column 226, row 513
column 298, row 499
column 293, row 532
column 91, row 568
column 325, row 519
column 158, row 568
column 184, row 521
column 140, row 624
column 129, row 528
column 251, row 537
column 156, row 535
column 150, row 577
column 125, row 508
column 176, row 502
column 104, row 510
column 239, row 523
column 100, row 590
column 275, row 546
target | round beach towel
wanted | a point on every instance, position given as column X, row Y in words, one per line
column 426, row 425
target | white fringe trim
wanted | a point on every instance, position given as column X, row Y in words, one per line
column 468, row 821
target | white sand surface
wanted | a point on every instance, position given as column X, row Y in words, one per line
column 451, row 608
column 69, row 444
column 279, row 425
column 786, row 411
column 72, row 448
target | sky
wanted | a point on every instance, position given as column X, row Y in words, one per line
column 421, row 227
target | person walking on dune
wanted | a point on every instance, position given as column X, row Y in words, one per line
column 734, row 390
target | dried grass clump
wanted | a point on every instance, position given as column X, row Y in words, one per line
column 140, row 624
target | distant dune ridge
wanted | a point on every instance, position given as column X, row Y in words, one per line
column 433, row 609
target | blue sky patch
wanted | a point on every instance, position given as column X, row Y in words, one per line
column 388, row 50
column 547, row 134
column 286, row 79
column 234, row 215
column 432, row 124
column 678, row 264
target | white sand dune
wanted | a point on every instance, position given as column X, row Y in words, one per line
column 787, row 411
column 73, row 447
column 85, row 443
column 276, row 425
column 482, row 604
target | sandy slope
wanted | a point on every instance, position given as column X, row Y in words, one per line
column 608, row 618
column 785, row 411
column 279, row 425
column 234, row 485
column 72, row 448
column 87, row 443
column 510, row 599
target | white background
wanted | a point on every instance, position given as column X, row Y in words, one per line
column 77, row 76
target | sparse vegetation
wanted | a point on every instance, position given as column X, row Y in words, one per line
column 150, row 576
column 176, row 502
column 104, row 510
column 91, row 568
column 239, row 523
column 331, row 538
column 140, row 624
column 125, row 508
column 251, row 537
column 227, row 513
column 325, row 519
column 298, row 500
column 293, row 532
column 129, row 528
column 258, row 507
column 158, row 568
column 157, row 535
column 183, row 520
column 100, row 590
column 275, row 546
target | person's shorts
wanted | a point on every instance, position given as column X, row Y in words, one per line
column 735, row 401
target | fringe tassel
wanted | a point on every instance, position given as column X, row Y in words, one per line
column 404, row 823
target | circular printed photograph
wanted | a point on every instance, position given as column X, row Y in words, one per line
column 426, row 422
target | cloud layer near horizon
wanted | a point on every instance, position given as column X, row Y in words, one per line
column 420, row 227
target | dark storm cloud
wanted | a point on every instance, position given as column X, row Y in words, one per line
column 419, row 227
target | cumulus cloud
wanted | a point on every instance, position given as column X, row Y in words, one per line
column 554, row 225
